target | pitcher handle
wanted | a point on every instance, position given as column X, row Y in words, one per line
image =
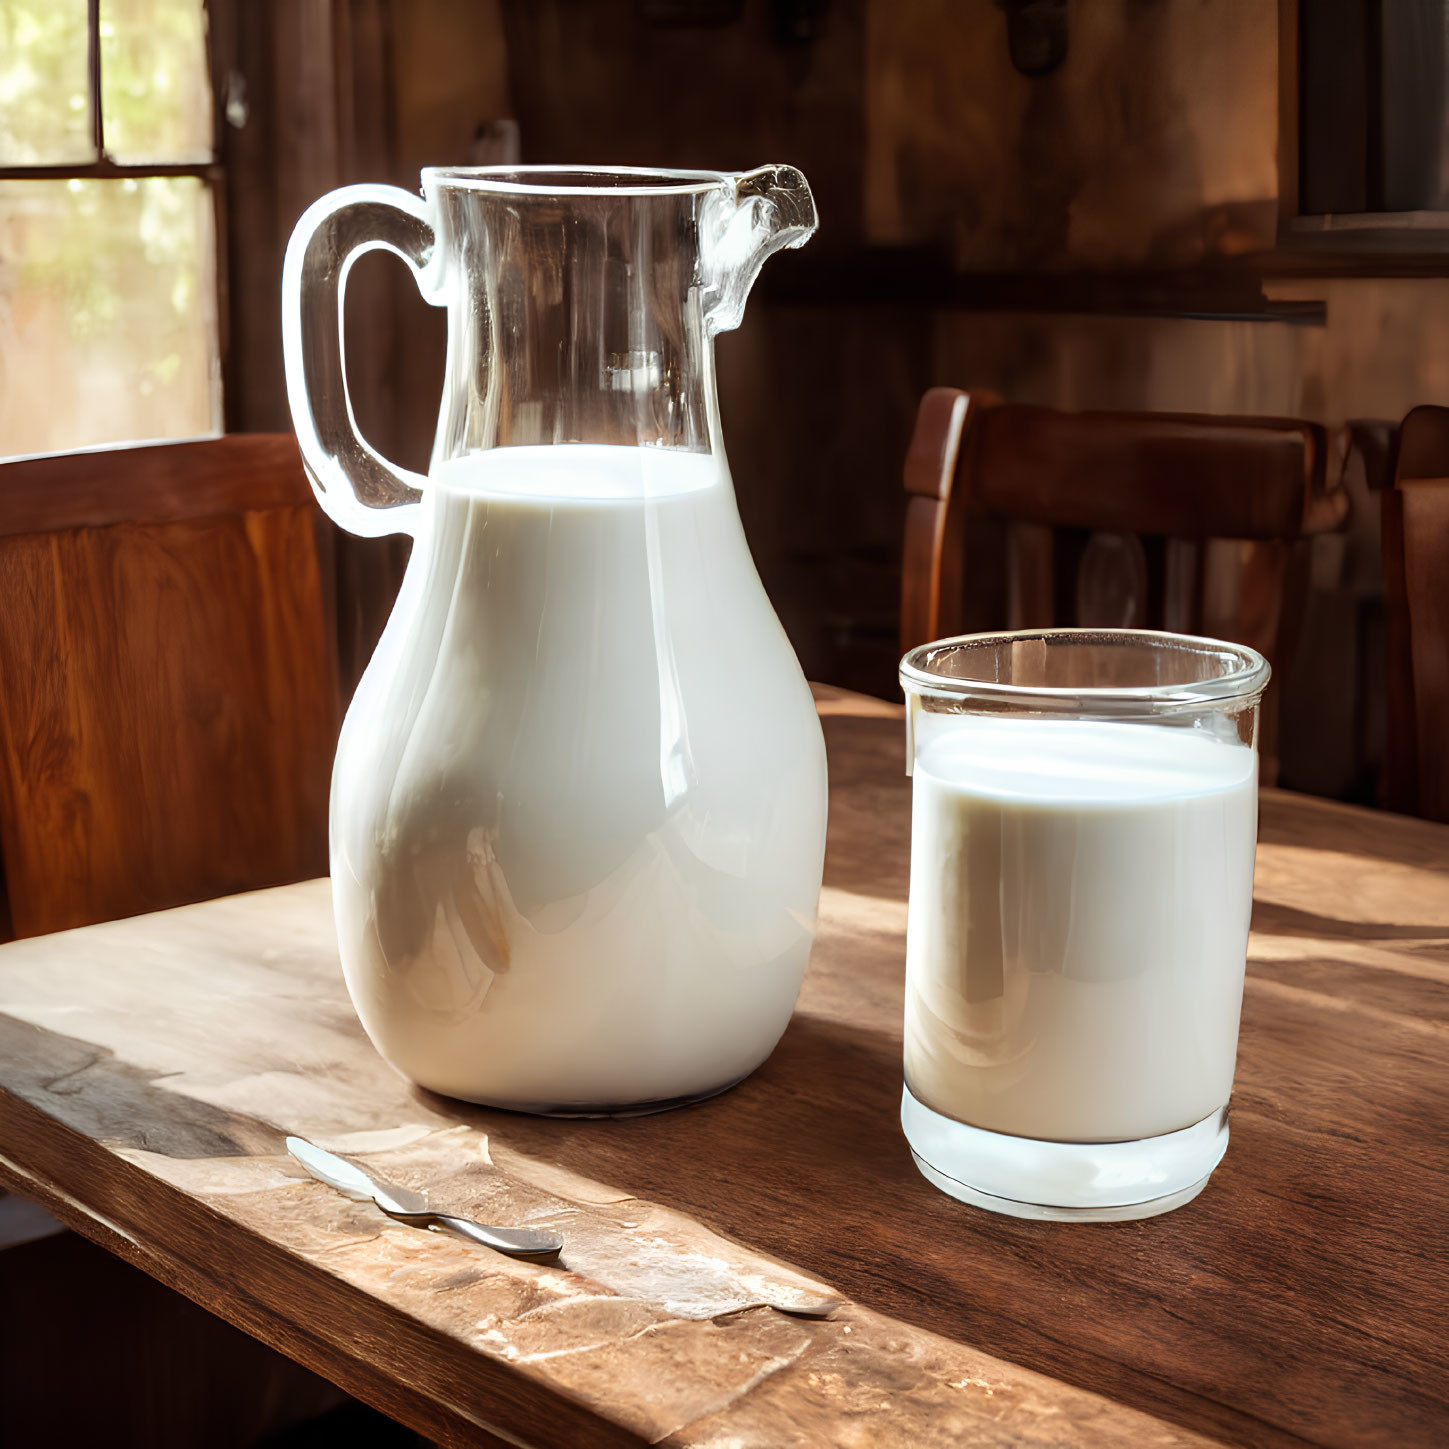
column 357, row 487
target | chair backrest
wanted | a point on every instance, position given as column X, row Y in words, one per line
column 1416, row 602
column 168, row 682
column 1025, row 517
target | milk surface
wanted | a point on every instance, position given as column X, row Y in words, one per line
column 579, row 802
column 1078, row 924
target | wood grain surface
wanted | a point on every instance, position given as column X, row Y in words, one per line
column 162, row 739
column 768, row 1268
column 154, row 483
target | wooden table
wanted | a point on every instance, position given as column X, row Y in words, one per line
column 149, row 1069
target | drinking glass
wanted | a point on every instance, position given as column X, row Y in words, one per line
column 1084, row 821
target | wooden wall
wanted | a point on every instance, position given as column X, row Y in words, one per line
column 1090, row 237
column 1153, row 144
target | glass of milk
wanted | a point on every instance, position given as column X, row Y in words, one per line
column 1084, row 820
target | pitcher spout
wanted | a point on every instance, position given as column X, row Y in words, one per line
column 758, row 214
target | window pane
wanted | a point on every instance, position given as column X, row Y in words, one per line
column 45, row 94
column 107, row 312
column 155, row 89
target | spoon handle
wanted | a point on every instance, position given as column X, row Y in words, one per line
column 515, row 1242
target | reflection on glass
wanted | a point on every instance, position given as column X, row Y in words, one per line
column 45, row 109
column 155, row 91
column 108, row 329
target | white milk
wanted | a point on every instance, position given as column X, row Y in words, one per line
column 579, row 803
column 1078, row 924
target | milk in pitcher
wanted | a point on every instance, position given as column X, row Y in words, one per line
column 579, row 869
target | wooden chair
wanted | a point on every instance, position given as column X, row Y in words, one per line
column 168, row 711
column 1416, row 597
column 168, row 684
column 1025, row 517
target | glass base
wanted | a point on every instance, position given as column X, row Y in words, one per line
column 1077, row 1182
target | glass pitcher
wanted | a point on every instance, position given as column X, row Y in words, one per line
column 578, row 804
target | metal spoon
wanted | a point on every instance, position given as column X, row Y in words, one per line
column 407, row 1206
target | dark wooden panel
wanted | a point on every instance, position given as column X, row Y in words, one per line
column 599, row 82
column 1372, row 104
column 315, row 98
column 1334, row 104
column 816, row 476
column 1412, row 50
column 1416, row 589
column 94, row 1352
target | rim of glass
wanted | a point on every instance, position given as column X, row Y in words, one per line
column 1248, row 676
column 612, row 180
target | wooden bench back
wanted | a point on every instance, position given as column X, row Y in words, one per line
column 1028, row 517
column 168, row 683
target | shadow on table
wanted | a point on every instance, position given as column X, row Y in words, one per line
column 134, row 1108
column 813, row 1124
column 1305, row 821
column 1270, row 918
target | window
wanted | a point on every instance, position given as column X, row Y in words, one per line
column 108, row 234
